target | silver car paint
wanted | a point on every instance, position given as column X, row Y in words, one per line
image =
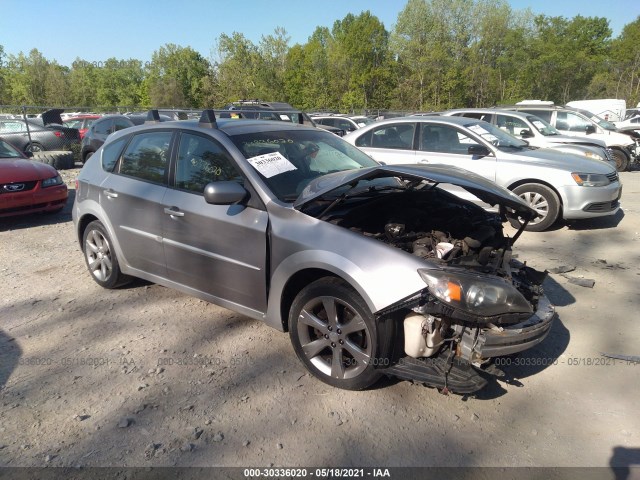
column 382, row 275
column 506, row 169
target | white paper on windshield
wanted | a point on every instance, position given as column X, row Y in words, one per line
column 480, row 130
column 285, row 117
column 538, row 124
column 271, row 164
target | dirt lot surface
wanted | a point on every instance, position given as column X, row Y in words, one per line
column 147, row 376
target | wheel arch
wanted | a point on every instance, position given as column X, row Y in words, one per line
column 539, row 182
column 82, row 225
column 295, row 284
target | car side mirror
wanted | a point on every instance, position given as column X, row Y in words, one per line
column 224, row 193
column 478, row 150
column 590, row 129
column 526, row 133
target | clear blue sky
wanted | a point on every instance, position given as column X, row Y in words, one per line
column 96, row 30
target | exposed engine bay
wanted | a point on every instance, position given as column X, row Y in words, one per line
column 431, row 224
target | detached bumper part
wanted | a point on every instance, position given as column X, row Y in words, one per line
column 462, row 373
column 497, row 342
column 458, row 376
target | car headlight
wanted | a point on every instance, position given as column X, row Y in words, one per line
column 477, row 294
column 593, row 155
column 52, row 182
column 590, row 179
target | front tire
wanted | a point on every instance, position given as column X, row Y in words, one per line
column 543, row 200
column 621, row 158
column 334, row 334
column 101, row 258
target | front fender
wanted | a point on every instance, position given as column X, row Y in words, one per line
column 379, row 287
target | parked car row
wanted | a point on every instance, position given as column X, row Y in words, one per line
column 554, row 183
column 571, row 121
column 39, row 134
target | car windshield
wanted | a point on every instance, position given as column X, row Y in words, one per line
column 607, row 125
column 362, row 121
column 288, row 160
column 495, row 135
column 7, row 151
column 542, row 126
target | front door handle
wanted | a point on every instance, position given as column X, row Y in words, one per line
column 174, row 212
column 111, row 194
column 423, row 160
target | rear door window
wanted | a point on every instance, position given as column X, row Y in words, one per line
column 147, row 156
column 394, row 136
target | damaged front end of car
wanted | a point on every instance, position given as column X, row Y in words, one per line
column 478, row 302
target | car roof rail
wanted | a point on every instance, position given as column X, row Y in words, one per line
column 208, row 119
column 153, row 116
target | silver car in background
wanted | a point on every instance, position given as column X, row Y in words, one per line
column 373, row 270
column 538, row 133
column 557, row 185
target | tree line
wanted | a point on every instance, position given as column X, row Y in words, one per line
column 440, row 54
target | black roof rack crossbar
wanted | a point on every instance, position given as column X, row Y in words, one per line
column 208, row 119
column 152, row 117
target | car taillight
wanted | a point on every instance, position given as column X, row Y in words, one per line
column 76, row 184
column 58, row 134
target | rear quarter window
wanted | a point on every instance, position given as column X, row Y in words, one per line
column 111, row 153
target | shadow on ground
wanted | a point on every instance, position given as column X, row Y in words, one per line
column 39, row 219
column 10, row 354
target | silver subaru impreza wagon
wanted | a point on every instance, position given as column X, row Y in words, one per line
column 373, row 270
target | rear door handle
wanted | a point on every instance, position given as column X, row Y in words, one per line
column 111, row 194
column 423, row 160
column 174, row 212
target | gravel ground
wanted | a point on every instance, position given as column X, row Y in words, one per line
column 147, row 376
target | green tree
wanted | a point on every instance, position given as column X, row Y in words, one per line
column 358, row 61
column 83, row 83
column 621, row 76
column 565, row 56
column 176, row 77
column 272, row 52
column 235, row 70
column 307, row 79
column 26, row 78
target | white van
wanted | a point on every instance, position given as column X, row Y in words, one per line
column 610, row 109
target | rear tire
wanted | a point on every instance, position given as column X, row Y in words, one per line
column 100, row 257
column 34, row 147
column 542, row 199
column 335, row 335
column 87, row 156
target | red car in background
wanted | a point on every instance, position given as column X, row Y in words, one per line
column 81, row 122
column 27, row 186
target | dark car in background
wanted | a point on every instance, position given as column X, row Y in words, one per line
column 27, row 186
column 278, row 111
column 39, row 134
column 105, row 126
